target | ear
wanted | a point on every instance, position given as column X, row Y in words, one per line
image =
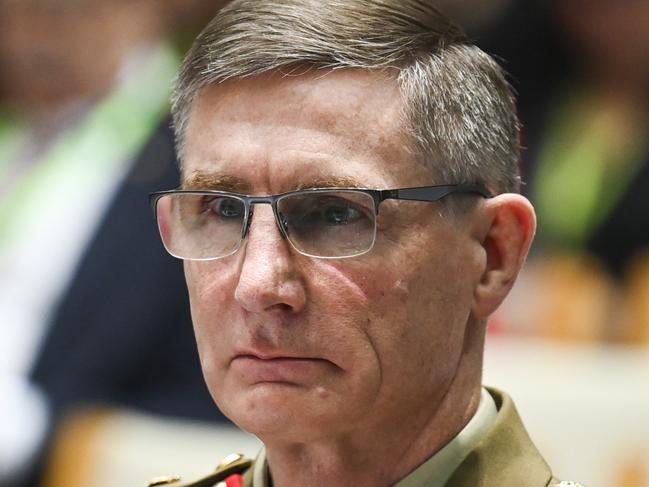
column 507, row 225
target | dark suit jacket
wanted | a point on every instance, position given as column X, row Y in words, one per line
column 122, row 333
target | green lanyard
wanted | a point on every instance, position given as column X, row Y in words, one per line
column 581, row 174
column 109, row 136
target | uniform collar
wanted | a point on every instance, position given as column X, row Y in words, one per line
column 438, row 468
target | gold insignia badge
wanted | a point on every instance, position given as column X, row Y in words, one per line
column 229, row 460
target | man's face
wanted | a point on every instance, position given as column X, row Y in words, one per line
column 299, row 348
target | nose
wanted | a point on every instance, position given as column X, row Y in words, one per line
column 269, row 276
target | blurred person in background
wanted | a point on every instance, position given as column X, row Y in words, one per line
column 591, row 164
column 587, row 165
column 84, row 87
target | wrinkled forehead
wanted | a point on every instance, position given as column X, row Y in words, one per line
column 349, row 121
column 332, row 101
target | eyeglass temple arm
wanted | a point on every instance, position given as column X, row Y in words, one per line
column 153, row 197
column 433, row 193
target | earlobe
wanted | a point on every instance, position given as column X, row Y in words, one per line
column 508, row 229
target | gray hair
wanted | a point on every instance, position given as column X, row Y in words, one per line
column 458, row 107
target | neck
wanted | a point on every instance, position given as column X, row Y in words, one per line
column 379, row 455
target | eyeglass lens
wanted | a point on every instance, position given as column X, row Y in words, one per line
column 196, row 226
column 319, row 224
column 329, row 224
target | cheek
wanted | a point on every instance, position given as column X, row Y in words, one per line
column 339, row 308
column 420, row 310
column 365, row 306
column 338, row 285
column 395, row 334
column 210, row 286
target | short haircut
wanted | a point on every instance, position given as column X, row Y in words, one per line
column 459, row 108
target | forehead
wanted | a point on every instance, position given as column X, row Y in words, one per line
column 276, row 132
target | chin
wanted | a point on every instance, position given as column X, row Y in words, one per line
column 281, row 411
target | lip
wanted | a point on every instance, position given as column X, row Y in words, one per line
column 259, row 355
column 257, row 368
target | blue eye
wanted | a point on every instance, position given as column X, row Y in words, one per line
column 324, row 210
column 340, row 215
column 227, row 207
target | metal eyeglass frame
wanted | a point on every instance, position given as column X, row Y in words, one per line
column 420, row 193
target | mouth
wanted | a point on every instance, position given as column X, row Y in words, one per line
column 255, row 368
column 267, row 355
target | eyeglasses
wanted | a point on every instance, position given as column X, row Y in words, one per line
column 321, row 222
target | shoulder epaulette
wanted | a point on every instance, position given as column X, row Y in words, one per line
column 228, row 473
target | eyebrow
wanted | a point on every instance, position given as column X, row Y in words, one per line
column 332, row 182
column 219, row 182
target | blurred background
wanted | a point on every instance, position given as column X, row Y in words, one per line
column 99, row 377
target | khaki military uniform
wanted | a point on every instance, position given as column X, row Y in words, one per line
column 504, row 457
